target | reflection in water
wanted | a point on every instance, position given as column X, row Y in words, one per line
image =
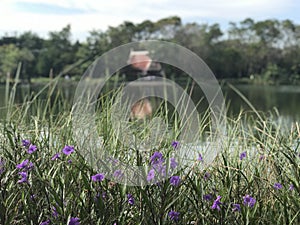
column 268, row 98
column 264, row 98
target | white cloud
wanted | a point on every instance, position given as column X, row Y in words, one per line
column 113, row 12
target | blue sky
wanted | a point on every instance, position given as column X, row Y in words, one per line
column 42, row 16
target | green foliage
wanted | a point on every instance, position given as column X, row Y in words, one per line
column 272, row 156
column 246, row 48
column 10, row 56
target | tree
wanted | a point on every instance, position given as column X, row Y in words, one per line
column 10, row 56
column 57, row 52
column 250, row 47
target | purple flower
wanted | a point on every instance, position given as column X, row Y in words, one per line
column 97, row 196
column 74, row 221
column 113, row 161
column 45, row 222
column 173, row 163
column 2, row 166
column 103, row 195
column 54, row 212
column 236, row 207
column 118, row 174
column 32, row 149
column 55, row 156
column 130, row 199
column 25, row 165
column 261, row 157
column 249, row 201
column 30, row 166
column 156, row 158
column 206, row 175
column 151, row 175
column 160, row 169
column 24, row 177
column 98, row 177
column 175, row 180
column 243, row 155
column 277, row 186
column 207, row 197
column 217, row 203
column 173, row 215
column 25, row 143
column 67, row 150
column 291, row 187
column 69, row 161
column 175, row 144
column 200, row 158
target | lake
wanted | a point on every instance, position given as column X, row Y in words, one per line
column 285, row 98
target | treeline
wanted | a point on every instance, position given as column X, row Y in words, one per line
column 268, row 50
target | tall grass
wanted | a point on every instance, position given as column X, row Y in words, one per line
column 61, row 189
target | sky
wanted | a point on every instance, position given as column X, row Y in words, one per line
column 42, row 16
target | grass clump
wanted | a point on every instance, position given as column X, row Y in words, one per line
column 45, row 179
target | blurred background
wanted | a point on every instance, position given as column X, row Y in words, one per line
column 254, row 45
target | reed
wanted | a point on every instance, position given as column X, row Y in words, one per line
column 254, row 180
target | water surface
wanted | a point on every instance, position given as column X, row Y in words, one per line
column 284, row 98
